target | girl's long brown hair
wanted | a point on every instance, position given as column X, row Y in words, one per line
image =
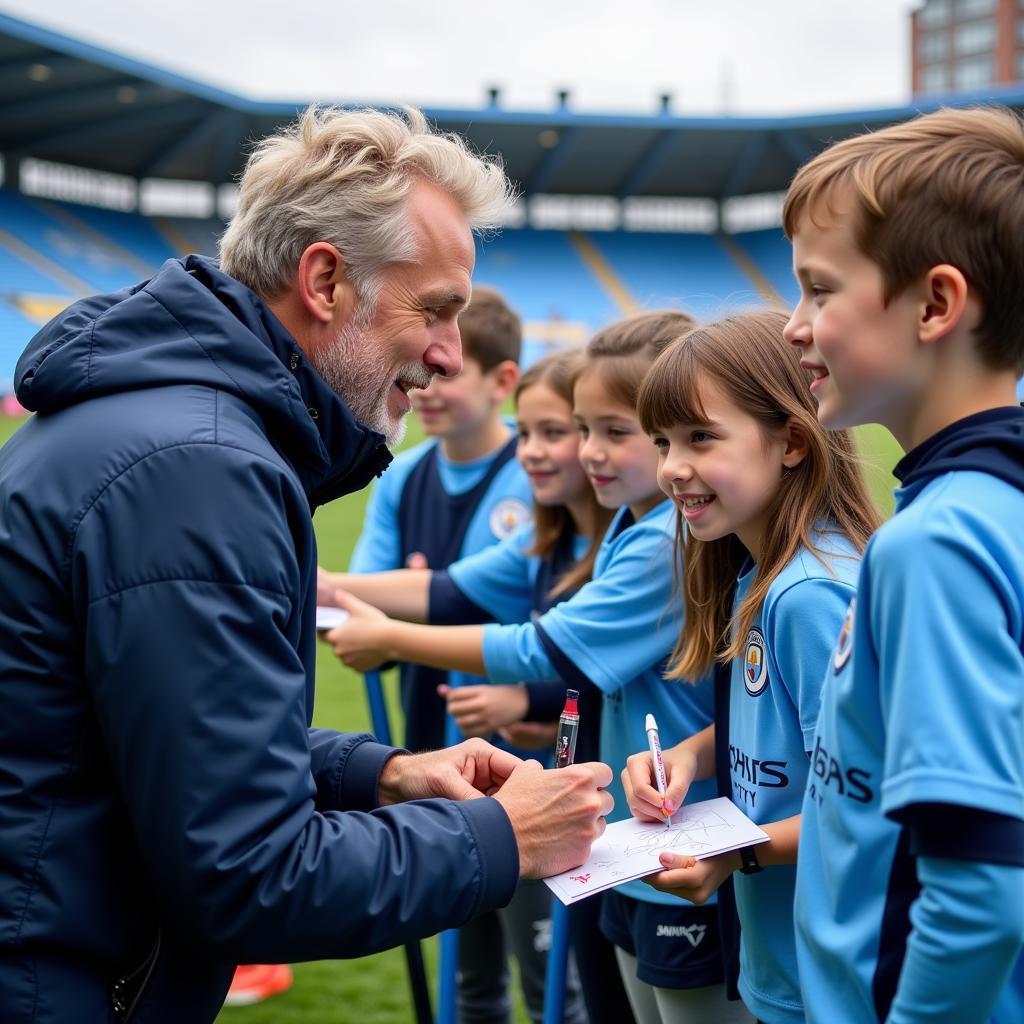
column 747, row 359
column 558, row 372
column 622, row 353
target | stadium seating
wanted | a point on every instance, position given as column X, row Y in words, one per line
column 689, row 272
column 772, row 254
column 565, row 284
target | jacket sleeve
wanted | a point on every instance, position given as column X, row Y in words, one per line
column 184, row 571
column 346, row 769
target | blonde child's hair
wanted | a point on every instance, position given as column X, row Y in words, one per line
column 946, row 187
column 746, row 358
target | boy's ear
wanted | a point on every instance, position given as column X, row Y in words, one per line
column 797, row 445
column 945, row 301
column 505, row 376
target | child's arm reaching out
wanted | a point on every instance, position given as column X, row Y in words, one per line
column 369, row 638
column 401, row 593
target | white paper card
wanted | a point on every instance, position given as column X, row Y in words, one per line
column 328, row 617
column 629, row 849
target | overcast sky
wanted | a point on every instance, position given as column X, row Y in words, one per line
column 715, row 56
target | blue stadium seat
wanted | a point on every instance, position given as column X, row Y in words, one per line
column 188, row 235
column 772, row 254
column 129, row 231
column 38, row 224
column 561, row 297
column 18, row 276
column 689, row 272
column 543, row 277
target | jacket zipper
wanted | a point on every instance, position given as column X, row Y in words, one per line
column 125, row 1002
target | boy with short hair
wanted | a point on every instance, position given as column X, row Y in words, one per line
column 457, row 493
column 909, row 247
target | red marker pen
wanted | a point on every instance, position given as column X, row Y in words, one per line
column 568, row 727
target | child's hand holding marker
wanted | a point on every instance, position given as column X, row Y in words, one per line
column 640, row 780
column 658, row 763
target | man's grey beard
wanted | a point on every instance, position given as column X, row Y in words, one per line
column 356, row 368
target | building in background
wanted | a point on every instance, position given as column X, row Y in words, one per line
column 967, row 45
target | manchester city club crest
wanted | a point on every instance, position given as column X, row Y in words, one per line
column 844, row 645
column 507, row 516
column 755, row 668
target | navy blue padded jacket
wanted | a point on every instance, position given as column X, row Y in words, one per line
column 166, row 810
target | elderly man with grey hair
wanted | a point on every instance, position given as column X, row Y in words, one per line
column 167, row 811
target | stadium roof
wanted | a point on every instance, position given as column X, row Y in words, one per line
column 67, row 101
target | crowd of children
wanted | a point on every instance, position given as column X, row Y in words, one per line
column 703, row 547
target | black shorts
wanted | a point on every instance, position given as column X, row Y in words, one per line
column 675, row 946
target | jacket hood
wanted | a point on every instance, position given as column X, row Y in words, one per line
column 192, row 324
column 989, row 442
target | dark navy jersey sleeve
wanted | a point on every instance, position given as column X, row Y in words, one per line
column 191, row 639
column 447, row 605
column 968, row 932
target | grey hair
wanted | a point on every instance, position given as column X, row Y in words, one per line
column 344, row 177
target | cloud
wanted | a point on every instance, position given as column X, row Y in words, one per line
column 747, row 56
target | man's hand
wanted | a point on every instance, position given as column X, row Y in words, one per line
column 464, row 772
column 691, row 879
column 530, row 735
column 643, row 798
column 360, row 642
column 555, row 814
column 482, row 710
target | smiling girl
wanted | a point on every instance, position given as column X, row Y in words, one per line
column 773, row 517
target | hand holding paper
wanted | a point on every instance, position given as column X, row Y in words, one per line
column 359, row 639
column 631, row 849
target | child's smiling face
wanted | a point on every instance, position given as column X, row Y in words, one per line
column 861, row 350
column 618, row 456
column 724, row 473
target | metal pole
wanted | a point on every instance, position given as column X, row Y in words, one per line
column 448, row 968
column 558, row 959
column 413, row 953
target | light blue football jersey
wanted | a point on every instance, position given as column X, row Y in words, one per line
column 500, row 579
column 618, row 631
column 923, row 703
column 505, row 507
column 773, row 708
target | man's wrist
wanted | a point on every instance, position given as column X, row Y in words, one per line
column 390, row 787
